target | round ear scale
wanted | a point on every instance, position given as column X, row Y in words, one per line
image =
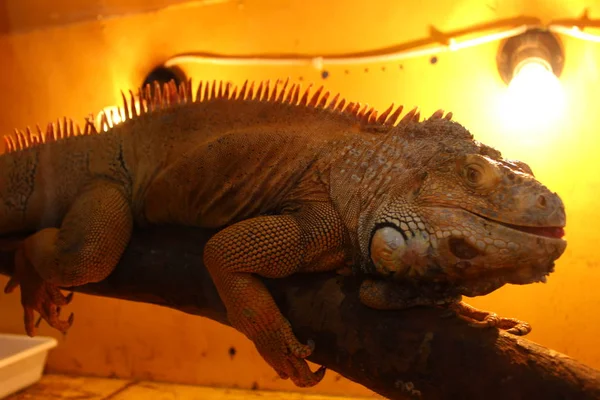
column 387, row 247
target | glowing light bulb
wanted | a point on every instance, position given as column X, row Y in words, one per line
column 534, row 101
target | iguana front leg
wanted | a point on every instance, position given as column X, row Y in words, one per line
column 272, row 247
column 386, row 295
column 86, row 248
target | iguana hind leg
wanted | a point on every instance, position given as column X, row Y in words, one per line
column 386, row 295
column 272, row 247
column 86, row 248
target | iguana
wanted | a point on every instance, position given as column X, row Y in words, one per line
column 296, row 183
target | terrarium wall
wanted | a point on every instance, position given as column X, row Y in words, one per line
column 72, row 59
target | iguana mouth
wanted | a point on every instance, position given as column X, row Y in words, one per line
column 552, row 232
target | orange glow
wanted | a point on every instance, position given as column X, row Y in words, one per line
column 82, row 67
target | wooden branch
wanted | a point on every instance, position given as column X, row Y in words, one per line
column 400, row 354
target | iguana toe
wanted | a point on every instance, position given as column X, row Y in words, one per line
column 38, row 295
column 282, row 350
column 485, row 319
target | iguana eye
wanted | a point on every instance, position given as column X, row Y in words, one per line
column 473, row 174
column 477, row 172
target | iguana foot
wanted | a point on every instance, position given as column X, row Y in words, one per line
column 38, row 295
column 285, row 354
column 485, row 319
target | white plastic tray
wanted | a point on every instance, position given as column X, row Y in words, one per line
column 22, row 361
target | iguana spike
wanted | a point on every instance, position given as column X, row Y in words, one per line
column 323, row 100
column 13, row 142
column 289, row 93
column 333, row 102
column 188, row 91
column 116, row 113
column 242, row 95
column 132, row 102
column 227, row 90
column 24, row 140
column 148, row 98
column 7, row 145
column 103, row 122
column 417, row 116
column 449, row 116
column 199, row 92
column 19, row 138
column 166, row 95
column 273, row 93
column 126, row 106
column 314, row 100
column 304, row 98
column 65, row 127
column 409, row 116
column 171, row 92
column 40, row 134
column 381, row 119
column 362, row 112
column 267, row 91
column 50, row 132
column 28, row 135
column 437, row 114
column 220, row 91
column 372, row 117
column 86, row 129
column 58, row 130
column 296, row 94
column 156, row 97
column 92, row 126
column 340, row 106
column 283, row 91
column 250, row 93
column 206, row 92
column 213, row 90
column 394, row 117
column 72, row 127
column 348, row 109
column 178, row 90
column 259, row 89
column 352, row 108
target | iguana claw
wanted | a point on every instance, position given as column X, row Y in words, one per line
column 38, row 295
column 286, row 354
column 485, row 319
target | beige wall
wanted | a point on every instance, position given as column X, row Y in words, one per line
column 48, row 69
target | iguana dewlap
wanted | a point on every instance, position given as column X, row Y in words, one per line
column 299, row 183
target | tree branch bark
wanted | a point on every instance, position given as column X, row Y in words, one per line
column 406, row 354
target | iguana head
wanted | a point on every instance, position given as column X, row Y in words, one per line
column 460, row 214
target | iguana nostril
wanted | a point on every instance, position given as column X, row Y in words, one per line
column 541, row 201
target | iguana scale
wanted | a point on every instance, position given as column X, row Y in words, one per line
column 296, row 183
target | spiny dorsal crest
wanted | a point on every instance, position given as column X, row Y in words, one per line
column 156, row 97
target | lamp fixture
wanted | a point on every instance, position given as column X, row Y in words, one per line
column 164, row 74
column 531, row 64
column 534, row 50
